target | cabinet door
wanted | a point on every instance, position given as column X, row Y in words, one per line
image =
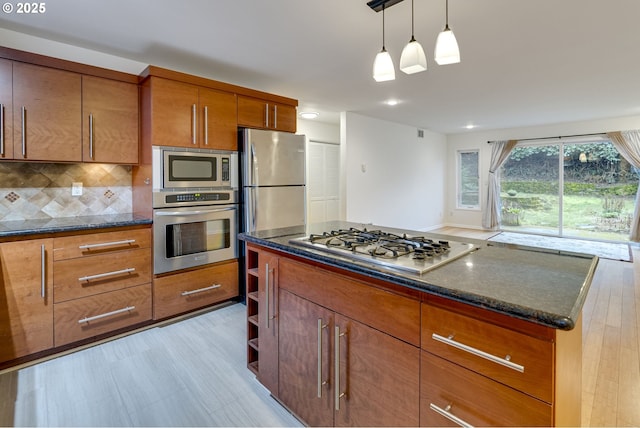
column 252, row 112
column 378, row 377
column 47, row 106
column 267, row 322
column 110, row 121
column 284, row 118
column 219, row 120
column 306, row 353
column 26, row 303
column 173, row 114
column 6, row 109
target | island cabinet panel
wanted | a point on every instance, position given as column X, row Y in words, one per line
column 451, row 395
column 358, row 300
column 512, row 358
column 109, row 121
column 26, row 299
column 268, row 282
column 6, row 109
column 180, row 114
column 47, row 113
column 181, row 292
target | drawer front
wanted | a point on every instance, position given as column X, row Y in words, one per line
column 388, row 312
column 75, row 278
column 451, row 390
column 71, row 247
column 91, row 316
column 183, row 292
column 521, row 361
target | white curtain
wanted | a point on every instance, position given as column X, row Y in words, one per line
column 628, row 144
column 499, row 154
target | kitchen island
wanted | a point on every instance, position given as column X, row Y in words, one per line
column 492, row 337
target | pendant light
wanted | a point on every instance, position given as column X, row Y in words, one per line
column 447, row 51
column 383, row 64
column 413, row 59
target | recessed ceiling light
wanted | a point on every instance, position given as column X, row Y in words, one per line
column 391, row 102
column 470, row 126
column 309, row 114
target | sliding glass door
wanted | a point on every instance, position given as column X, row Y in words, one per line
column 580, row 189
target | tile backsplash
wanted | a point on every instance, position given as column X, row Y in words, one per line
column 30, row 191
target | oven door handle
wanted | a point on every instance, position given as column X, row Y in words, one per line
column 174, row 213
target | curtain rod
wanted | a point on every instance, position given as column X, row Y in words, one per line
column 559, row 137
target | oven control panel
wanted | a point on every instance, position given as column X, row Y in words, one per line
column 197, row 197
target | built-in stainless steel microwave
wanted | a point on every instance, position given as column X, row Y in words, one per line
column 175, row 168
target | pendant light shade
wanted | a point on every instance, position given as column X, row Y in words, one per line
column 447, row 51
column 383, row 64
column 413, row 59
column 383, row 67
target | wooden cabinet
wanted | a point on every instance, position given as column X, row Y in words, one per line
column 26, row 301
column 348, row 352
column 184, row 115
column 46, row 114
column 262, row 114
column 109, row 121
column 181, row 292
column 6, row 109
column 337, row 371
column 483, row 368
column 262, row 316
column 102, row 282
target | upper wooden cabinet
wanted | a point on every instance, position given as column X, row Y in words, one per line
column 257, row 113
column 47, row 106
column 109, row 121
column 6, row 109
column 183, row 115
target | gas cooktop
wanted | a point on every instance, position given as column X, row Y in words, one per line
column 417, row 254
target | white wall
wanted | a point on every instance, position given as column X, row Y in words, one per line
column 402, row 182
column 478, row 140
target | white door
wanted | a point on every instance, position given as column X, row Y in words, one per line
column 323, row 186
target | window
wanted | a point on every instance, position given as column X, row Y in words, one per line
column 468, row 180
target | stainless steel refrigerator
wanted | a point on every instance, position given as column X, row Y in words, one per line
column 273, row 179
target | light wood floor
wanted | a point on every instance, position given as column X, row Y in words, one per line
column 194, row 372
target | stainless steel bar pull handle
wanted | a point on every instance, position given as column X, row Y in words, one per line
column 502, row 361
column 266, row 294
column 266, row 115
column 200, row 290
column 24, row 131
column 90, row 135
column 275, row 116
column 43, row 271
column 206, row 125
column 194, row 124
column 108, row 314
column 106, row 274
column 336, row 388
column 106, row 244
column 321, row 382
column 1, row 129
column 447, row 414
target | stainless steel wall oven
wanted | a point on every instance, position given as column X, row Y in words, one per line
column 194, row 226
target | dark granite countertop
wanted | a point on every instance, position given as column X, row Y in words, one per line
column 69, row 224
column 545, row 287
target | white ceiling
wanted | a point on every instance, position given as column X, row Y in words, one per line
column 524, row 62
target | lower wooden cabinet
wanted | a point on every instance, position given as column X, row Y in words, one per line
column 186, row 291
column 337, row 371
column 26, row 298
column 451, row 395
column 94, row 315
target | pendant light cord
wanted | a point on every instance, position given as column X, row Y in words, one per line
column 446, row 13
column 383, row 48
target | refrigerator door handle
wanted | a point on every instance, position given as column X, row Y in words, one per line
column 252, row 167
column 252, row 202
